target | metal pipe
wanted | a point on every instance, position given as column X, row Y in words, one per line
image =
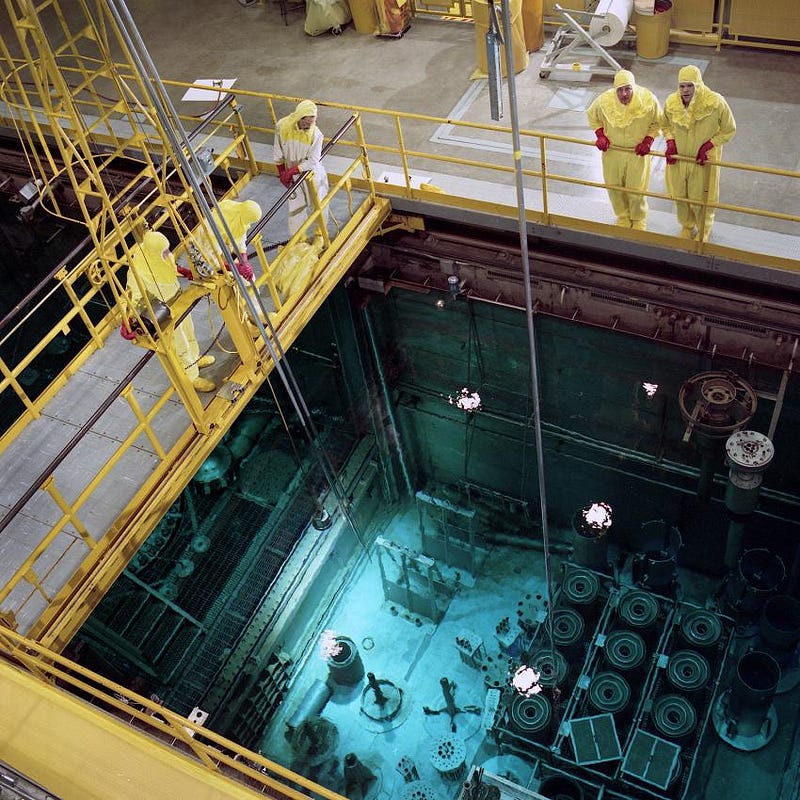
column 376, row 357
column 523, row 243
column 171, row 124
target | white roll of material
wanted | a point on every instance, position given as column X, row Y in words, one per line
column 609, row 21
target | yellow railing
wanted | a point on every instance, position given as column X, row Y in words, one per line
column 300, row 275
column 163, row 727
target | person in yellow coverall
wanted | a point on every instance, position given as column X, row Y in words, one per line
column 626, row 116
column 239, row 216
column 696, row 123
column 154, row 265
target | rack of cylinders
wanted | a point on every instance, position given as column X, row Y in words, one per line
column 624, row 693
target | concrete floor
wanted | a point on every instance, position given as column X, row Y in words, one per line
column 431, row 71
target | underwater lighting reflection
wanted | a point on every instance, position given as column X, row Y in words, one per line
column 466, row 400
column 526, row 681
column 597, row 517
column 650, row 388
column 329, row 645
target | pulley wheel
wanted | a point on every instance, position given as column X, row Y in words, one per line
column 530, row 714
column 701, row 628
column 567, row 626
column 688, row 671
column 580, row 587
column 717, row 403
column 609, row 692
column 674, row 716
column 638, row 609
column 625, row 650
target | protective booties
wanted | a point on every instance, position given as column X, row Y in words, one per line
column 203, row 385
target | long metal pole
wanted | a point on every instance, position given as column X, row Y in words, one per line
column 526, row 272
column 171, row 124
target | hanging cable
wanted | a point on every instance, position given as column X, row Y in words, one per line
column 526, row 272
column 171, row 124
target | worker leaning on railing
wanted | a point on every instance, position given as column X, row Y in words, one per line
column 154, row 265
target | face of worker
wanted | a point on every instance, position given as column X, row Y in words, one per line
column 687, row 92
column 304, row 123
column 625, row 94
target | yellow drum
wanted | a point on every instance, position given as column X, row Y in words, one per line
column 480, row 13
column 652, row 31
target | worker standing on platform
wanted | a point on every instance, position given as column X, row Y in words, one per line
column 154, row 266
column 239, row 216
column 626, row 121
column 696, row 123
column 298, row 148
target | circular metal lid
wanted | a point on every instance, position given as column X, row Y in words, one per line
column 701, row 628
column 674, row 716
column 530, row 714
column 688, row 671
column 609, row 692
column 580, row 587
column 625, row 649
column 567, row 626
column 448, row 753
column 749, row 451
column 639, row 609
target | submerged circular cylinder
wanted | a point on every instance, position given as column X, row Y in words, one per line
column 625, row 650
column 590, row 541
column 674, row 717
column 639, row 610
column 688, row 672
column 701, row 629
column 560, row 787
column 760, row 573
column 779, row 627
column 551, row 666
column 530, row 716
column 568, row 627
column 752, row 691
column 580, row 588
column 609, row 692
column 345, row 666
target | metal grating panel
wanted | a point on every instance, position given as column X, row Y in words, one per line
column 594, row 739
column 651, row 759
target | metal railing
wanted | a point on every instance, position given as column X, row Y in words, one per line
column 163, row 727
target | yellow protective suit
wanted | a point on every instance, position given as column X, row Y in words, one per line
column 239, row 216
column 626, row 126
column 707, row 118
column 295, row 147
column 154, row 265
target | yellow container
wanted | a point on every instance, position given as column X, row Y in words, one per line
column 364, row 17
column 652, row 32
column 480, row 13
column 533, row 24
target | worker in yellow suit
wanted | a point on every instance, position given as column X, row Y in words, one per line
column 154, row 266
column 696, row 123
column 626, row 121
column 239, row 216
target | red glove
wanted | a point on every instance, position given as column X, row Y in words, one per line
column 602, row 142
column 702, row 153
column 185, row 272
column 244, row 268
column 287, row 176
column 671, row 152
column 125, row 332
column 643, row 148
